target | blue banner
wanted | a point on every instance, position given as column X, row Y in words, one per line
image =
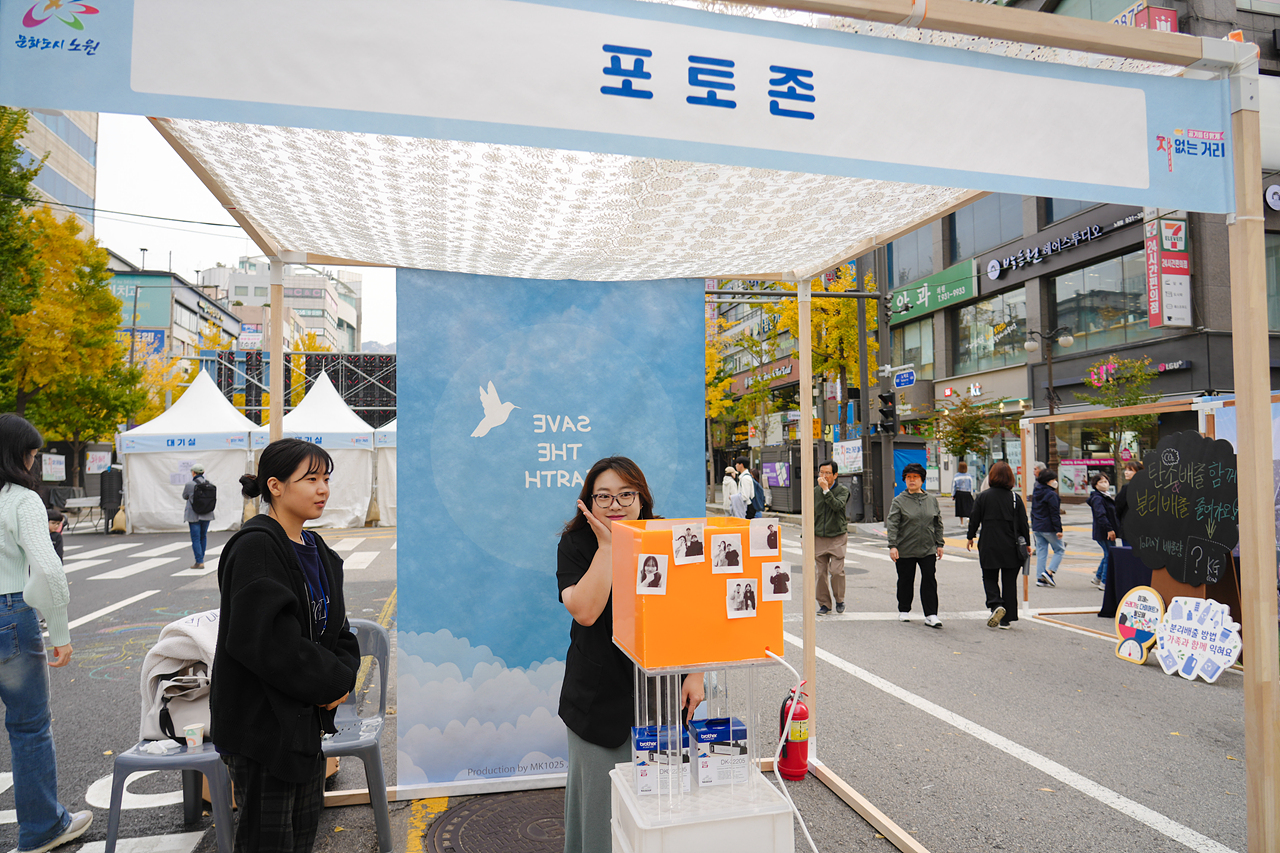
column 640, row 79
column 509, row 390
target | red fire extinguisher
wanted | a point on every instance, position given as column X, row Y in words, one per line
column 793, row 764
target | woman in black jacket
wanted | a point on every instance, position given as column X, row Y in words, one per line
column 597, row 696
column 285, row 658
column 1002, row 517
column 1104, row 523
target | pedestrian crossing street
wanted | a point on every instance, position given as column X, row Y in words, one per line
column 80, row 558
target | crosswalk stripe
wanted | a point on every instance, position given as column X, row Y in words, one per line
column 393, row 544
column 110, row 549
column 180, row 842
column 110, row 608
column 136, row 568
column 197, row 573
column 72, row 547
column 163, row 549
column 359, row 560
column 77, row 565
column 346, row 544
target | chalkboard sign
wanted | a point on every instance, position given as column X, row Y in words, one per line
column 1184, row 508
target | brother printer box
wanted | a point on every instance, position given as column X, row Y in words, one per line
column 652, row 763
column 721, row 751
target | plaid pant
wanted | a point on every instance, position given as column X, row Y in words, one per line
column 275, row 816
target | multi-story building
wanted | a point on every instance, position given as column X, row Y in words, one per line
column 164, row 314
column 328, row 303
column 69, row 179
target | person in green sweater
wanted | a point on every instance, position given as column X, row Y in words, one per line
column 915, row 539
column 31, row 579
column 831, row 534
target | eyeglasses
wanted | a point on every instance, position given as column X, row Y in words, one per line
column 624, row 499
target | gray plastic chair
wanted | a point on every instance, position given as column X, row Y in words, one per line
column 362, row 736
column 191, row 761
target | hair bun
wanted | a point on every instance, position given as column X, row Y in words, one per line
column 249, row 486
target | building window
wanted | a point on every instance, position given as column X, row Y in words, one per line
column 912, row 343
column 911, row 257
column 1061, row 208
column 1273, row 282
column 242, row 290
column 990, row 333
column 259, row 291
column 1105, row 305
column 985, row 224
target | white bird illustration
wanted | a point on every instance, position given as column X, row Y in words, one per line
column 496, row 412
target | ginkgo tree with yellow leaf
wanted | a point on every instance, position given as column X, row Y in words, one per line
column 70, row 330
column 835, row 331
column 719, row 390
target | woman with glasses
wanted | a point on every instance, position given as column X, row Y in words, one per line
column 596, row 699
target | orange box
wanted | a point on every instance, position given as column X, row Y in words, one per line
column 680, row 615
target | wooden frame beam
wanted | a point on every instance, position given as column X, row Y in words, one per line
column 1017, row 25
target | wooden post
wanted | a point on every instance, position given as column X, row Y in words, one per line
column 807, row 483
column 1251, row 360
column 276, row 410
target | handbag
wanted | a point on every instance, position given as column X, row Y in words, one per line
column 1020, row 541
column 183, row 699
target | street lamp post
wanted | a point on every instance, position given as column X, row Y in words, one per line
column 1062, row 335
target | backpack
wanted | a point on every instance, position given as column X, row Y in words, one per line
column 757, row 498
column 204, row 498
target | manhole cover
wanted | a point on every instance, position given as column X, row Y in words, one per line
column 527, row 822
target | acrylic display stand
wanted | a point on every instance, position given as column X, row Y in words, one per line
column 746, row 816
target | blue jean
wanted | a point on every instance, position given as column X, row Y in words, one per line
column 24, row 689
column 1101, row 573
column 199, row 538
column 1045, row 541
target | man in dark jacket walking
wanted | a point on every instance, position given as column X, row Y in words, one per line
column 1046, row 526
column 831, row 535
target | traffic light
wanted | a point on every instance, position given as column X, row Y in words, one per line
column 888, row 413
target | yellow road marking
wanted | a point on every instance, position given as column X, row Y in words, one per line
column 421, row 815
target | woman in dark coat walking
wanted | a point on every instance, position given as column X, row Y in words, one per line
column 1046, row 526
column 1001, row 516
column 1105, row 523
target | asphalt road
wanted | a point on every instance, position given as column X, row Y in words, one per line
column 971, row 739
column 1038, row 738
column 143, row 582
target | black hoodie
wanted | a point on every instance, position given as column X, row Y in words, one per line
column 269, row 674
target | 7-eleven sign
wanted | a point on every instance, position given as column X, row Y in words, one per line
column 1173, row 235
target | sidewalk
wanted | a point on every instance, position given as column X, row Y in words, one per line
column 1077, row 524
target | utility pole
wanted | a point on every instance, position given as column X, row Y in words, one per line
column 864, row 401
column 886, row 381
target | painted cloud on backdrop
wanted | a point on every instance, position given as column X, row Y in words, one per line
column 491, row 721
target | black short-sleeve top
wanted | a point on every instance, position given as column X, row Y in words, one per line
column 596, row 699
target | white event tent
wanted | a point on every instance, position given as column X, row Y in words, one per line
column 384, row 440
column 323, row 418
column 201, row 428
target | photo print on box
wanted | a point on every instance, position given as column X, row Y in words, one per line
column 651, row 574
column 740, row 600
column 764, row 537
column 726, row 553
column 687, row 543
column 775, row 585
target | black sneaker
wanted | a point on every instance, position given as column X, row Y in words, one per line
column 824, row 610
column 996, row 616
column 839, row 606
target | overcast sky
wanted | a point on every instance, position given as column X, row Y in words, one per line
column 139, row 173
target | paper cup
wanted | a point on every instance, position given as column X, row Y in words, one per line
column 195, row 734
